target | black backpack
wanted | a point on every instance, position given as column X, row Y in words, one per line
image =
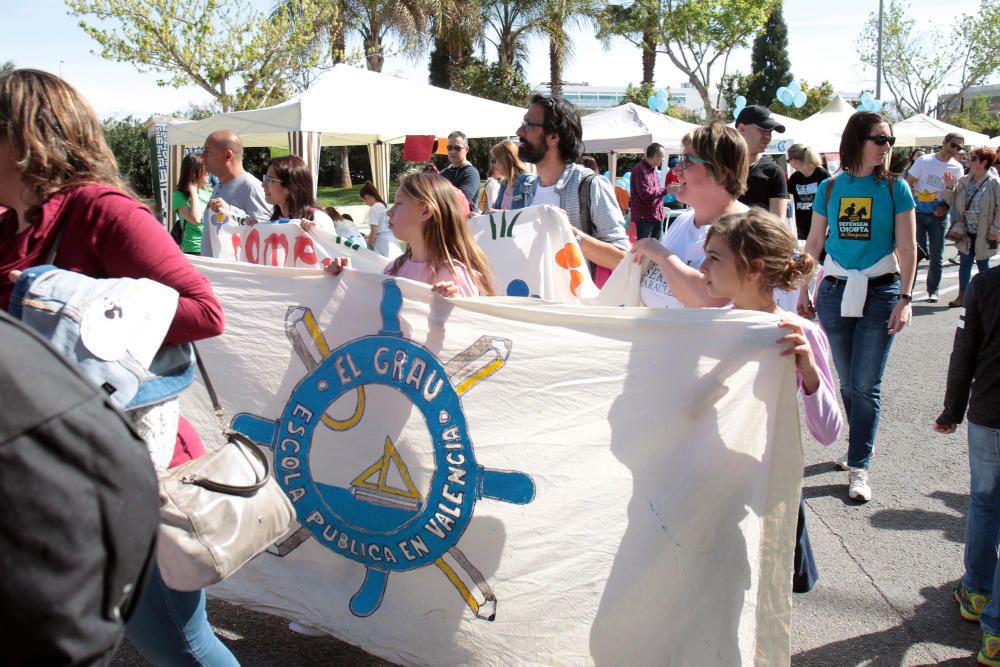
column 81, row 509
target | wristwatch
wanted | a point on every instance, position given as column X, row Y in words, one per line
column 908, row 297
column 578, row 234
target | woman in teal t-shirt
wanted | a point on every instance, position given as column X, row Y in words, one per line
column 871, row 251
column 189, row 200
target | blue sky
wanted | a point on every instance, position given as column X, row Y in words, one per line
column 40, row 34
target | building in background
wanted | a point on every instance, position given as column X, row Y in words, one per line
column 589, row 98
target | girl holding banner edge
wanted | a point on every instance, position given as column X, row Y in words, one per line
column 440, row 250
column 864, row 297
column 747, row 257
column 61, row 182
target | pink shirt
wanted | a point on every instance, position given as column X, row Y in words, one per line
column 421, row 272
column 823, row 416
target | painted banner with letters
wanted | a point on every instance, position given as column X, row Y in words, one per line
column 286, row 244
column 534, row 253
column 512, row 481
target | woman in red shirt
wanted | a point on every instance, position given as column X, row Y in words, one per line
column 60, row 183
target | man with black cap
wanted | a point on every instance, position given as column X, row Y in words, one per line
column 767, row 186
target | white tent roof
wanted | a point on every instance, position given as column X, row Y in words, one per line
column 630, row 128
column 796, row 132
column 830, row 120
column 353, row 106
column 921, row 130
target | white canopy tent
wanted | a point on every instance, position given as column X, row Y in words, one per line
column 630, row 128
column 349, row 106
column 796, row 132
column 922, row 130
column 827, row 125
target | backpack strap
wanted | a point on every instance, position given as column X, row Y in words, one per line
column 829, row 189
column 586, row 221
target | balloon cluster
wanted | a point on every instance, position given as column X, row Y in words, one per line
column 792, row 94
column 869, row 103
column 659, row 102
column 738, row 105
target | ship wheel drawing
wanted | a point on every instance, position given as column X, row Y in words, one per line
column 393, row 515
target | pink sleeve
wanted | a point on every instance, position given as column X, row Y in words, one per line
column 822, row 411
column 131, row 243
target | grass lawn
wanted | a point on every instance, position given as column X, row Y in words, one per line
column 327, row 196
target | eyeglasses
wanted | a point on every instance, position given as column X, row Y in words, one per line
column 269, row 179
column 453, row 147
column 528, row 123
column 882, row 140
column 685, row 161
column 957, row 147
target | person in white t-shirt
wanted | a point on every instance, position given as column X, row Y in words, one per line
column 711, row 175
column 926, row 177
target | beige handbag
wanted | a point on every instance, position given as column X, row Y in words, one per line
column 218, row 511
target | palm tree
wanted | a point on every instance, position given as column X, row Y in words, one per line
column 376, row 20
column 508, row 24
column 557, row 17
column 458, row 30
column 7, row 67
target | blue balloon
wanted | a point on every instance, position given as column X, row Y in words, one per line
column 877, row 106
column 785, row 96
column 795, row 86
column 740, row 102
column 651, row 102
column 607, row 175
column 800, row 99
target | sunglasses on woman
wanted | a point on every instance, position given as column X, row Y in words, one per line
column 269, row 179
column 882, row 140
column 685, row 161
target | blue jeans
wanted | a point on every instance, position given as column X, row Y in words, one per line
column 930, row 235
column 965, row 264
column 170, row 628
column 982, row 522
column 860, row 348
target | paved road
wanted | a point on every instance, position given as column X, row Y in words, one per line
column 887, row 567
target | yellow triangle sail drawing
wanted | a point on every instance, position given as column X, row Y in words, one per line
column 373, row 484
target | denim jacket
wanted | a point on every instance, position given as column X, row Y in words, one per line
column 56, row 303
column 522, row 186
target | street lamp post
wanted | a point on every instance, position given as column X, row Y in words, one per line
column 878, row 60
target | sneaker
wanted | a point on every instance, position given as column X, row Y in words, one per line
column 953, row 260
column 989, row 654
column 842, row 463
column 858, row 488
column 933, row 297
column 970, row 604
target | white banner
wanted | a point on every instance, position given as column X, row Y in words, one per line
column 508, row 481
column 286, row 244
column 534, row 253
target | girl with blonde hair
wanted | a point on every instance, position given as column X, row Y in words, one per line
column 809, row 173
column 515, row 179
column 440, row 251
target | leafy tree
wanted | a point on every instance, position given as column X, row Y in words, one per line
column 7, row 67
column 642, row 19
column 243, row 58
column 457, row 29
column 129, row 141
column 508, row 24
column 731, row 86
column 376, row 21
column 769, row 61
column 698, row 35
column 816, row 98
column 487, row 80
column 639, row 94
column 917, row 63
column 977, row 116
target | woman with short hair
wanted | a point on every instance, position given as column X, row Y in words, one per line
column 809, row 173
column 711, row 176
column 975, row 200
